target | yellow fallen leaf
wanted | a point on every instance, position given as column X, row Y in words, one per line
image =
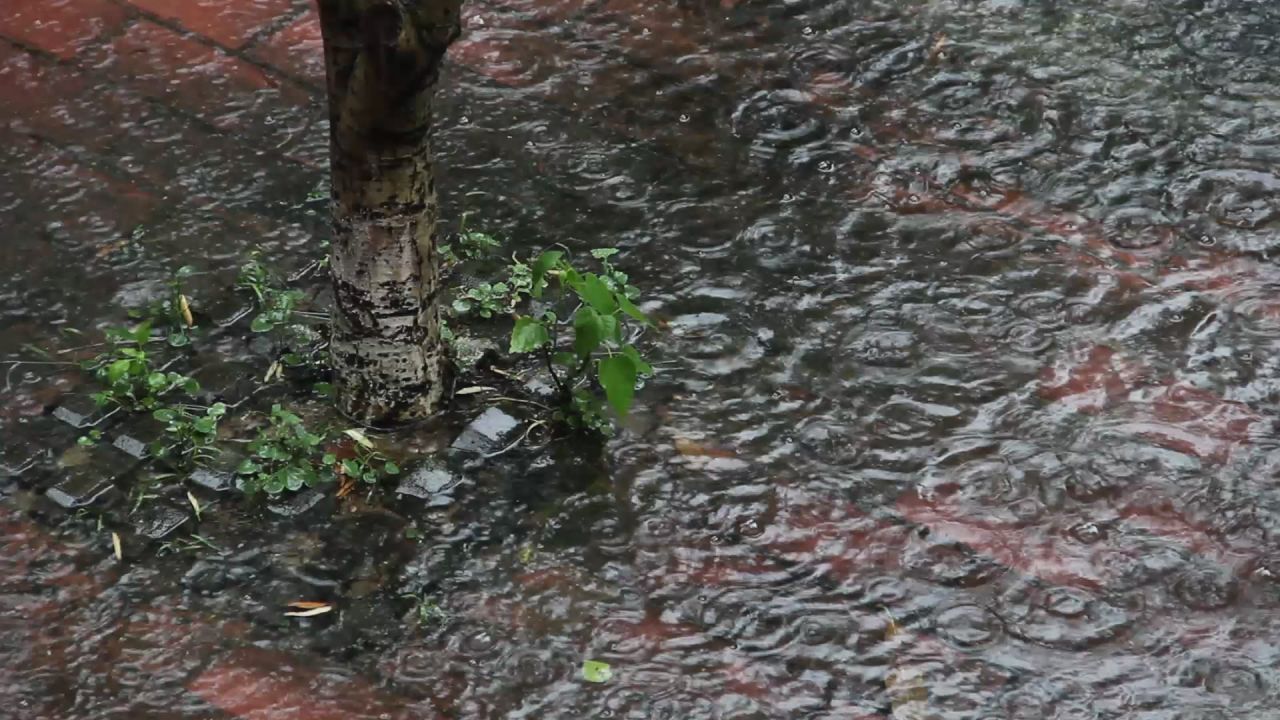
column 195, row 504
column 311, row 613
column 185, row 307
column 688, row 447
column 274, row 370
column 473, row 390
column 359, row 437
column 307, row 604
column 892, row 628
column 115, row 543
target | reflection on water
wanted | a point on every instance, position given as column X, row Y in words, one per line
column 967, row 391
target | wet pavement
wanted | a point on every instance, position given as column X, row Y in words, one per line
column 966, row 404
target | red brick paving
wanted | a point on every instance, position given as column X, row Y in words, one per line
column 296, row 49
column 230, row 23
column 61, row 27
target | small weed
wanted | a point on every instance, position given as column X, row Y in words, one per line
column 284, row 456
column 471, row 245
column 485, row 299
column 603, row 320
column 190, row 434
column 277, row 309
column 127, row 374
column 426, row 610
column 367, row 465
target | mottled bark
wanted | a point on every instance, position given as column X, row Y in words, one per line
column 382, row 58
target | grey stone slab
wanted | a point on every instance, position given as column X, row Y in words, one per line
column 294, row 504
column 81, row 412
column 487, row 432
column 86, row 475
column 213, row 479
column 158, row 520
column 432, row 483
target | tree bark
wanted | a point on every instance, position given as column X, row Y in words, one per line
column 382, row 58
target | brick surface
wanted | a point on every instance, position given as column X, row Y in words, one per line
column 61, row 27
column 297, row 49
column 231, row 23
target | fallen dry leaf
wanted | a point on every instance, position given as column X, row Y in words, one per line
column 688, row 447
column 473, row 390
column 185, row 307
column 307, row 604
column 346, row 486
column 310, row 613
column 115, row 543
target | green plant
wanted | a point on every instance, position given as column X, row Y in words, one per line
column 603, row 315
column 174, row 311
column 367, row 465
column 126, row 372
column 485, row 299
column 276, row 310
column 190, row 434
column 472, row 245
column 284, row 456
column 426, row 610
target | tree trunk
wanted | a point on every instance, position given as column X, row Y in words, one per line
column 382, row 58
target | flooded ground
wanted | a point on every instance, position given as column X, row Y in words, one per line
column 967, row 395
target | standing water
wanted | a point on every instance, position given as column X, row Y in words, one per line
column 966, row 385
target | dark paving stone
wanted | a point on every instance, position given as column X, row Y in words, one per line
column 80, row 412
column 229, row 382
column 487, row 432
column 432, row 483
column 157, row 520
column 294, row 504
column 136, row 437
column 88, row 475
column 219, row 473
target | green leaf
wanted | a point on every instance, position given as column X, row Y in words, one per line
column 323, row 388
column 351, row 468
column 618, row 378
column 142, row 333
column 596, row 294
column 642, row 367
column 391, row 468
column 117, row 370
column 612, row 328
column 190, row 385
column 604, row 253
column 543, row 265
column 248, row 467
column 179, row 339
column 157, row 380
column 596, row 671
column 262, row 323
column 588, row 331
column 629, row 308
column 165, row 415
column 217, row 410
column 294, row 478
column 275, row 484
column 528, row 335
column 206, row 425
column 566, row 359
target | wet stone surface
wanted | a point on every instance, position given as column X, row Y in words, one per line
column 487, row 433
column 86, row 475
column 158, row 520
column 432, row 482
